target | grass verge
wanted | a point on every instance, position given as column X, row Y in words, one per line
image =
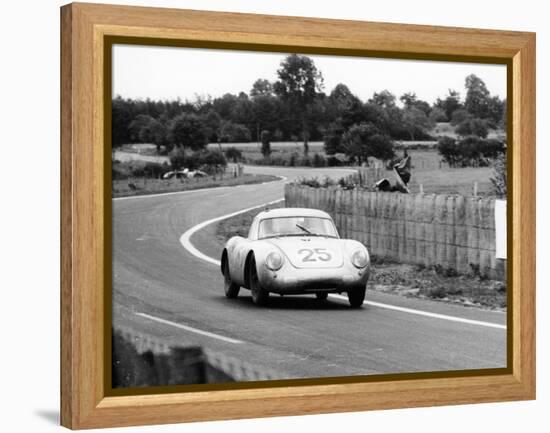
column 143, row 186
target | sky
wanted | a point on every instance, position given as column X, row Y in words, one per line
column 166, row 73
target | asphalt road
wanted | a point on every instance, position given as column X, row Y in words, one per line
column 160, row 288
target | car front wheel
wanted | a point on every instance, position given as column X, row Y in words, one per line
column 229, row 287
column 356, row 297
column 259, row 295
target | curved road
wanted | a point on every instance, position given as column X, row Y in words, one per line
column 163, row 290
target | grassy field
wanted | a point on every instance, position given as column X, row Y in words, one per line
column 143, row 186
column 427, row 168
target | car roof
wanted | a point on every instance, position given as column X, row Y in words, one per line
column 292, row 211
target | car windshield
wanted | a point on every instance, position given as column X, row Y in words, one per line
column 296, row 226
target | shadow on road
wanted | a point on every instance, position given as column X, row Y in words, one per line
column 288, row 303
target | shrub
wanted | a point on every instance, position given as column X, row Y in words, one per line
column 211, row 161
column 266, row 145
column 120, row 170
column 179, row 158
column 471, row 151
column 333, row 161
column 492, row 148
column 151, row 169
column 332, row 139
column 319, row 160
column 449, row 151
column 233, row 154
column 499, row 179
column 314, row 182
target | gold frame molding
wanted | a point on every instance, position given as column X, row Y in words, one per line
column 87, row 32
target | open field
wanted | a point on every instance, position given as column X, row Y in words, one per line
column 125, row 155
column 252, row 150
column 427, row 169
column 143, row 186
column 453, row 181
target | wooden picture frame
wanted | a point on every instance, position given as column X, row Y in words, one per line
column 85, row 261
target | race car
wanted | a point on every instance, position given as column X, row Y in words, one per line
column 292, row 251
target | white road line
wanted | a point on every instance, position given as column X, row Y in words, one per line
column 189, row 328
column 217, row 188
column 425, row 313
column 185, row 238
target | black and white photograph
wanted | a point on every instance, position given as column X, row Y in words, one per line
column 285, row 216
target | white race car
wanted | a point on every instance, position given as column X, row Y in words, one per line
column 295, row 251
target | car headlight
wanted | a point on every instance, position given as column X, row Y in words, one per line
column 360, row 259
column 274, row 261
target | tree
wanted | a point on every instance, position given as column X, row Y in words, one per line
column 495, row 111
column 155, row 132
column 212, row 122
column 298, row 84
column 121, row 118
column 477, row 97
column 188, row 131
column 438, row 115
column 450, row 104
column 365, row 140
column 477, row 127
column 415, row 120
column 333, row 138
column 384, row 99
column 410, row 100
column 261, row 87
column 266, row 145
column 137, row 127
column 234, row 133
column 460, row 116
column 225, row 105
column 266, row 113
column 341, row 100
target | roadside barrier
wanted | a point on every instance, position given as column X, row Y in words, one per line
column 454, row 232
column 142, row 360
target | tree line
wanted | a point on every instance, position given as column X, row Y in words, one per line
column 295, row 107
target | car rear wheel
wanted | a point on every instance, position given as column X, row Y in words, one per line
column 259, row 294
column 356, row 297
column 322, row 296
column 229, row 287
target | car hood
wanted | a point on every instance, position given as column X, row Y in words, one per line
column 311, row 251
